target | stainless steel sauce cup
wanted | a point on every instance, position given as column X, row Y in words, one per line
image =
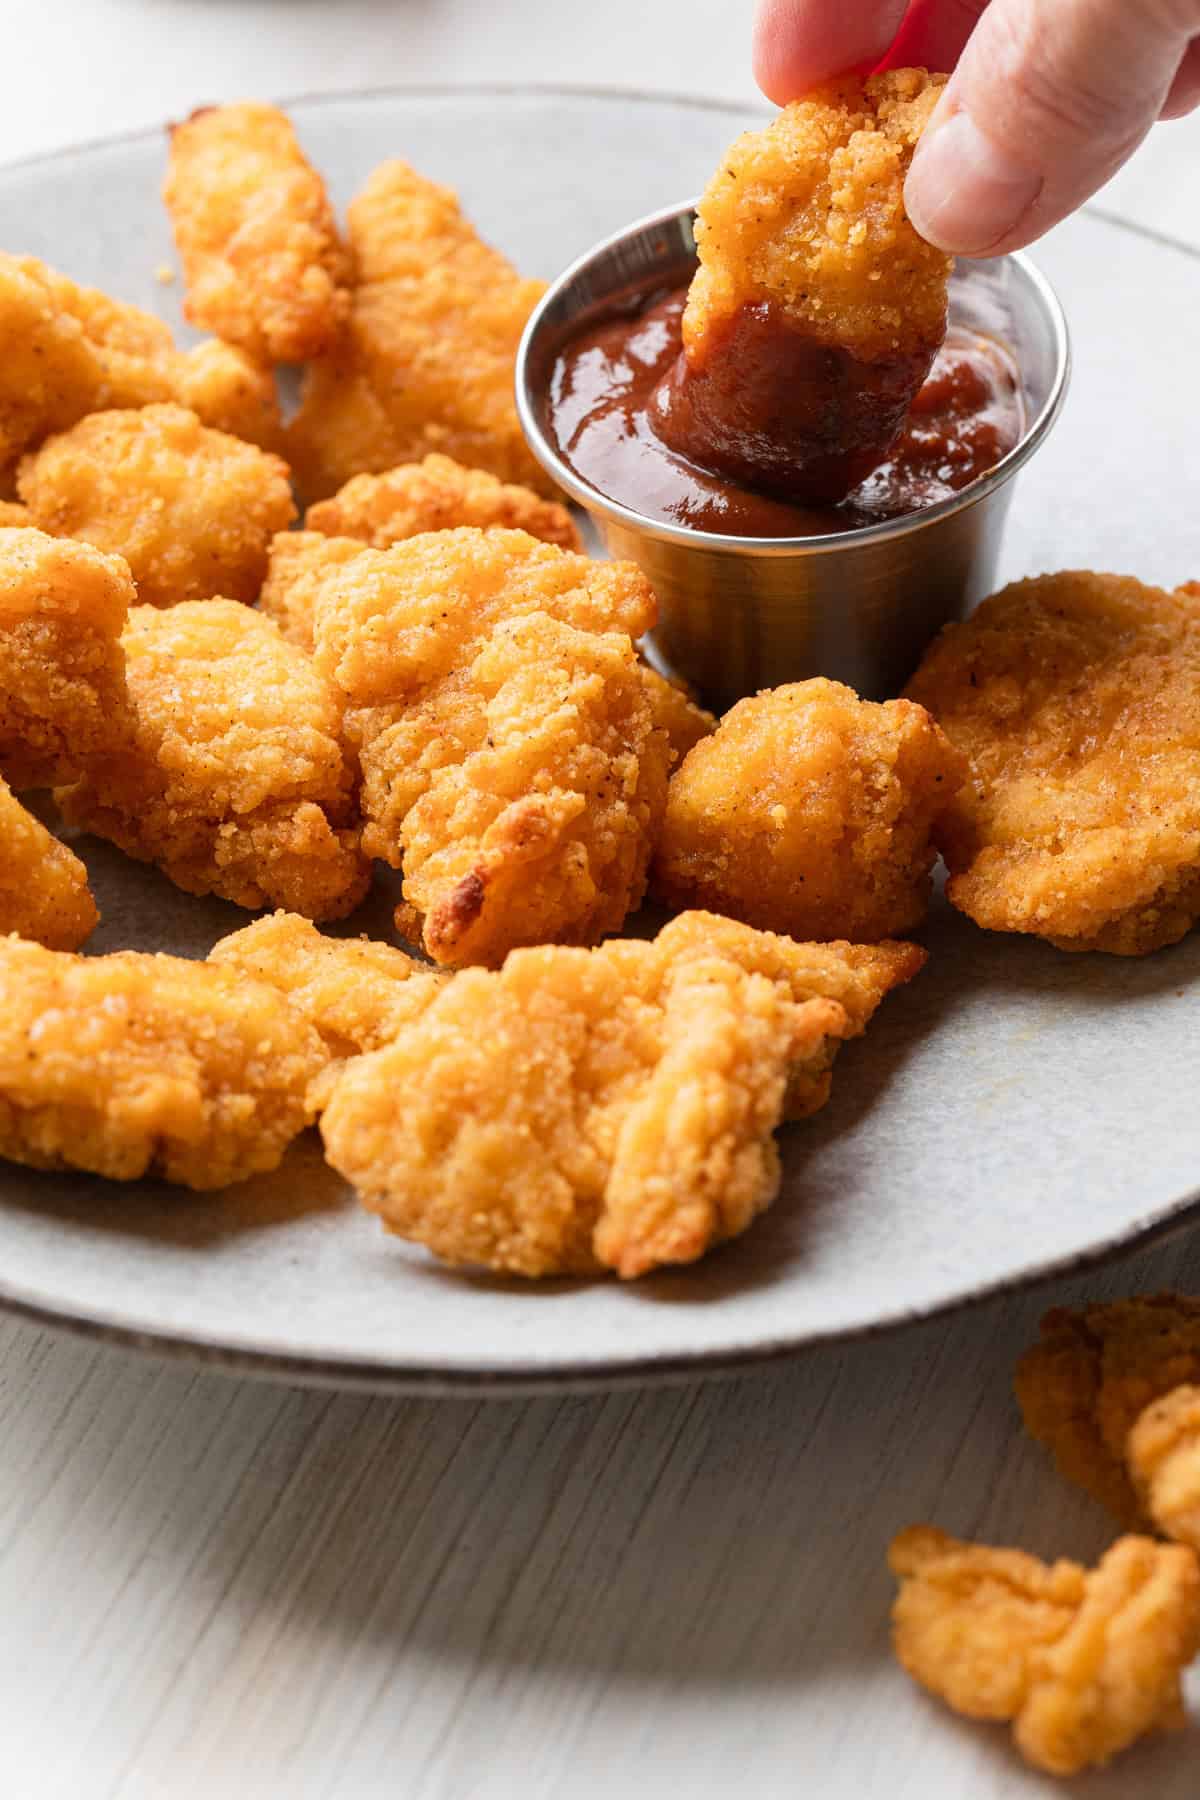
column 738, row 614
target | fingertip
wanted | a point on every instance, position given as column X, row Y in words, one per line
column 799, row 43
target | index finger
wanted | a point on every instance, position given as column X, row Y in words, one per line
column 799, row 43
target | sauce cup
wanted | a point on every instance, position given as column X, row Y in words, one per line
column 737, row 614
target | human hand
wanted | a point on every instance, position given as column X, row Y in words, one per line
column 1048, row 97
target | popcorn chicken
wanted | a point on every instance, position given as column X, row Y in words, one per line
column 810, row 812
column 298, row 565
column 437, row 494
column 426, row 363
column 509, row 754
column 133, row 1065
column 816, row 311
column 62, row 669
column 1083, row 1662
column 1076, row 700
column 1093, row 1372
column 1162, row 1453
column 581, row 1111
column 264, row 265
column 44, row 893
column 192, row 511
column 355, row 992
column 236, row 783
column 71, row 350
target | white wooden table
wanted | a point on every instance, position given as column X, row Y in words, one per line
column 214, row 1587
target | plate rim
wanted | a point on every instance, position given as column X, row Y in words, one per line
column 483, row 1380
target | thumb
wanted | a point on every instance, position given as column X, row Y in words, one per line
column 1049, row 98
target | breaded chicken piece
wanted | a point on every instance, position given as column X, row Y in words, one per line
column 541, row 827
column 264, row 265
column 1083, row 1386
column 192, row 511
column 1083, row 1662
column 1076, row 700
column 580, row 1111
column 426, row 362
column 44, row 893
column 511, row 763
column 14, row 516
column 62, row 668
column 816, row 311
column 1162, row 1453
column 356, row 993
column 236, row 783
column 298, row 564
column 133, row 1065
column 71, row 350
column 810, row 812
column 676, row 712
column 437, row 494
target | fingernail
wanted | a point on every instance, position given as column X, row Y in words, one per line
column 964, row 193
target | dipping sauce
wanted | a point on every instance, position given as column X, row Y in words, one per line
column 611, row 384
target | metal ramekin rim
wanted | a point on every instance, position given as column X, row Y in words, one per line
column 593, row 500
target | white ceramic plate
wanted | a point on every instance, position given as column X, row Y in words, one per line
column 1012, row 1112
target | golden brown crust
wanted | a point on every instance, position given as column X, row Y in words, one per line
column 1093, row 1372
column 683, row 719
column 264, row 265
column 62, row 668
column 426, row 363
column 810, row 812
column 509, row 754
column 1075, row 700
column 808, row 215
column 1162, row 1453
column 236, row 783
column 44, row 893
column 297, row 566
column 191, row 510
column 579, row 1111
column 356, row 993
column 71, row 350
column 437, row 494
column 1083, row 1662
column 148, row 1065
column 14, row 516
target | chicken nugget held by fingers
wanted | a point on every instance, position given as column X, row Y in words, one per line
column 133, row 1065
column 264, row 264
column 817, row 310
column 63, row 699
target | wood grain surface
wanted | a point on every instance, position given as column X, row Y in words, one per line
column 215, row 1587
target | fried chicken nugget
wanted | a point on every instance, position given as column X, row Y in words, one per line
column 71, row 350
column 579, row 1111
column 813, row 286
column 1083, row 1386
column 810, row 812
column 437, row 494
column 510, row 758
column 264, row 265
column 426, row 362
column 15, row 517
column 355, row 992
column 236, row 783
column 1084, row 1662
column 133, row 1065
column 1162, row 1453
column 44, row 893
column 192, row 511
column 1076, row 700
column 62, row 668
column 298, row 564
